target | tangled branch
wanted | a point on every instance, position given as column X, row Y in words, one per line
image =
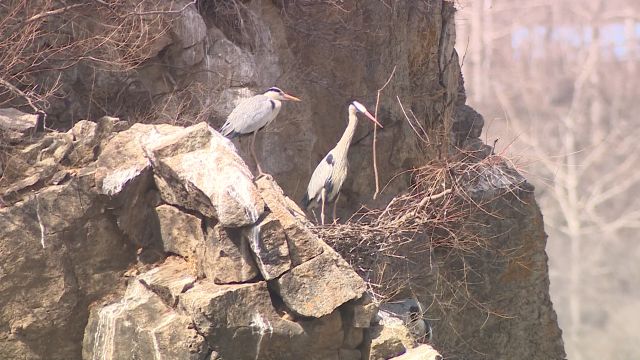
column 441, row 212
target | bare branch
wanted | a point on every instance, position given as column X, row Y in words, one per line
column 375, row 132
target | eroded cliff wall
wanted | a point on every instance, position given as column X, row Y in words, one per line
column 89, row 213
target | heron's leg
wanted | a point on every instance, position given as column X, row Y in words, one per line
column 253, row 152
column 335, row 204
column 323, row 197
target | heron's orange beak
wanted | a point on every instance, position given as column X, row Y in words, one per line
column 373, row 119
column 291, row 97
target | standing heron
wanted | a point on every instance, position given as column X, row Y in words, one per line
column 253, row 114
column 329, row 175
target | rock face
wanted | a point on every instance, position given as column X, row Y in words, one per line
column 187, row 160
column 88, row 216
column 214, row 54
column 162, row 255
column 516, row 284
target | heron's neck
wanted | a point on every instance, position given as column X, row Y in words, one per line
column 346, row 138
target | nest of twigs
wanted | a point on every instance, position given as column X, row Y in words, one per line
column 390, row 247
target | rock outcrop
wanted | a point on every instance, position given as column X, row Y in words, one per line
column 121, row 240
column 160, row 242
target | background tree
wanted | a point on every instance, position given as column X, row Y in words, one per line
column 556, row 78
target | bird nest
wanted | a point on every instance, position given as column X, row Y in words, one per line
column 439, row 214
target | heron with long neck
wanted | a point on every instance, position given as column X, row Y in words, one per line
column 253, row 114
column 329, row 175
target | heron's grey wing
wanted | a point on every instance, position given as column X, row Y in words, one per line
column 250, row 115
column 321, row 177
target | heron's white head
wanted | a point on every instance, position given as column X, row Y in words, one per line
column 356, row 107
column 277, row 94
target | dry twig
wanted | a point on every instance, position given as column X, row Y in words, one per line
column 375, row 133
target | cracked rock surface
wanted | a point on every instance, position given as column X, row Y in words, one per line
column 164, row 254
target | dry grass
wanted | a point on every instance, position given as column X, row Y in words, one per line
column 41, row 39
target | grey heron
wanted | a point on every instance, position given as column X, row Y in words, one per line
column 253, row 114
column 331, row 172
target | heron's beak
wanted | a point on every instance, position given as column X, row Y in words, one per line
column 291, row 97
column 373, row 119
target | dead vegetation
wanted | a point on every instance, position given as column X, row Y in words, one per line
column 441, row 218
column 42, row 40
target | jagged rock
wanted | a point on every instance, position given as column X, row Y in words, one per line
column 356, row 317
column 320, row 285
column 60, row 250
column 422, row 352
column 225, row 256
column 15, row 125
column 33, row 165
column 185, row 162
column 181, row 232
column 124, row 173
column 57, row 148
column 45, row 307
column 269, row 245
column 87, row 137
column 84, row 134
column 185, row 58
column 141, row 326
column 123, row 158
column 22, row 184
column 239, row 321
column 303, row 244
column 169, row 280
